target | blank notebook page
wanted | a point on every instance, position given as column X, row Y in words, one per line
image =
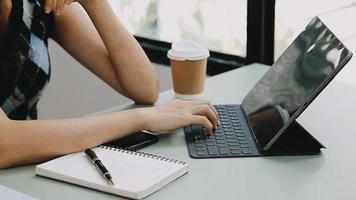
column 135, row 174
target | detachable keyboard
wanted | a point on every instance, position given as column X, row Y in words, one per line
column 230, row 139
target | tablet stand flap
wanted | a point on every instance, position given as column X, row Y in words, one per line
column 295, row 140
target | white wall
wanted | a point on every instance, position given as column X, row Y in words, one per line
column 74, row 91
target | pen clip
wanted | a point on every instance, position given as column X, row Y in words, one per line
column 92, row 155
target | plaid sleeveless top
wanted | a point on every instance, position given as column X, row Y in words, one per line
column 29, row 20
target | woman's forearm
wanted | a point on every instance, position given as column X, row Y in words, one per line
column 24, row 142
column 130, row 62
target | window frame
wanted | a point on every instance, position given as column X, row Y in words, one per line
column 259, row 47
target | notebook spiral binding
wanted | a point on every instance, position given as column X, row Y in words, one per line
column 142, row 154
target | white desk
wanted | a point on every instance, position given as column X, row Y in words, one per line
column 331, row 175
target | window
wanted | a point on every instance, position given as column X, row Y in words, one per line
column 235, row 31
column 218, row 24
column 290, row 22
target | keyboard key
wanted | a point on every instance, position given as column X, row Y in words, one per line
column 219, row 130
column 228, row 130
column 224, row 120
column 229, row 133
column 199, row 142
column 210, row 143
column 212, row 150
column 231, row 140
column 221, row 141
column 230, row 137
column 241, row 138
column 246, row 151
column 220, row 137
column 201, row 149
column 236, row 151
column 200, row 137
column 244, row 145
column 225, row 123
column 232, row 143
column 222, row 145
column 202, row 153
column 236, row 127
column 234, row 147
column 199, row 145
column 210, row 140
column 243, row 142
column 219, row 134
column 223, row 115
column 240, row 134
column 224, row 151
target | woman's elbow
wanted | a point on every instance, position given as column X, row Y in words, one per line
column 4, row 163
column 150, row 94
column 3, row 141
column 6, row 145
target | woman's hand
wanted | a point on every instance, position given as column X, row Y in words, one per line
column 56, row 6
column 180, row 113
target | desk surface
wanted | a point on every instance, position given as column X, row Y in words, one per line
column 330, row 175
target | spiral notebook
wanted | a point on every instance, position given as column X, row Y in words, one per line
column 136, row 174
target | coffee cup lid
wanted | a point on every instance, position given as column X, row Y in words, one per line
column 187, row 50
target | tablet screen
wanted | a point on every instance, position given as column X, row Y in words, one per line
column 290, row 83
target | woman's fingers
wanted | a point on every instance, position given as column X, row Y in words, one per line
column 56, row 6
column 50, row 5
column 204, row 121
column 180, row 113
column 206, row 102
column 205, row 110
column 215, row 112
column 60, row 6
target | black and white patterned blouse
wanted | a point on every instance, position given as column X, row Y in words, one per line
column 35, row 26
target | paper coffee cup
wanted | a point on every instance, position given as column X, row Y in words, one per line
column 188, row 62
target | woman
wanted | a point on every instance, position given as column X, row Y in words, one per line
column 101, row 44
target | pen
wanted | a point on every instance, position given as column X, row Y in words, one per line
column 96, row 161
